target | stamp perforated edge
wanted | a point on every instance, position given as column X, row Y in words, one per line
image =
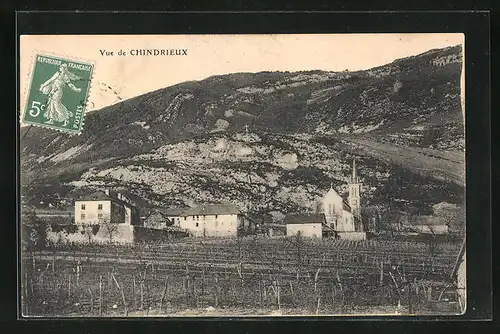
column 29, row 77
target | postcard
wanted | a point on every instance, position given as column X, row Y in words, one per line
column 242, row 175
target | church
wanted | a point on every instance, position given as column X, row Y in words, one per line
column 337, row 215
column 344, row 217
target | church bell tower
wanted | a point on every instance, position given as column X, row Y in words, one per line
column 354, row 195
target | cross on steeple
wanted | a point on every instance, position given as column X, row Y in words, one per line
column 246, row 128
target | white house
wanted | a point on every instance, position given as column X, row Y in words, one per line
column 215, row 220
column 105, row 206
column 307, row 225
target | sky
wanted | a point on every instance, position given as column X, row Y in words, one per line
column 121, row 77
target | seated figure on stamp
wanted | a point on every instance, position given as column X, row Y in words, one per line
column 55, row 110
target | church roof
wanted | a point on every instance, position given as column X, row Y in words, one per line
column 346, row 206
column 332, row 192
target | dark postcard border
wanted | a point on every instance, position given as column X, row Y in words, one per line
column 475, row 25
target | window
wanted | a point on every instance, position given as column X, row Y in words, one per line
column 99, row 215
column 82, row 216
column 216, row 216
column 203, row 217
column 185, row 218
column 99, row 206
column 197, row 224
column 83, row 206
column 330, row 209
column 197, row 217
column 216, row 223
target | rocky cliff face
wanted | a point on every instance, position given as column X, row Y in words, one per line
column 271, row 141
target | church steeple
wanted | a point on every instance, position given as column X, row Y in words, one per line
column 354, row 173
column 354, row 196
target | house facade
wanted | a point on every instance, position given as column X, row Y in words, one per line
column 307, row 225
column 105, row 206
column 337, row 212
column 218, row 220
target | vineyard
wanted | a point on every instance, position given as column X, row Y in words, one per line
column 243, row 276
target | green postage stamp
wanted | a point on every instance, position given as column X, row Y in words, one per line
column 58, row 93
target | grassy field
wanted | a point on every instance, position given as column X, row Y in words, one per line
column 444, row 166
column 249, row 276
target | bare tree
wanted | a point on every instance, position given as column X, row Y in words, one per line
column 110, row 228
column 88, row 231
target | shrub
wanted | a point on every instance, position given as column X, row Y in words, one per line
column 34, row 232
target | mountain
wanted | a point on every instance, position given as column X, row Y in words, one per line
column 271, row 141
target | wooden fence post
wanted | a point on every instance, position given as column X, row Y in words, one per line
column 260, row 292
column 203, row 281
column 69, row 285
column 133, row 292
column 316, row 280
column 381, row 273
column 333, row 297
column 122, row 293
column 26, row 292
column 142, row 294
column 193, row 291
column 278, row 292
column 100, row 295
column 216, row 290
column 78, row 273
column 91, row 301
column 396, row 285
column 164, row 293
column 410, row 306
column 186, row 290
